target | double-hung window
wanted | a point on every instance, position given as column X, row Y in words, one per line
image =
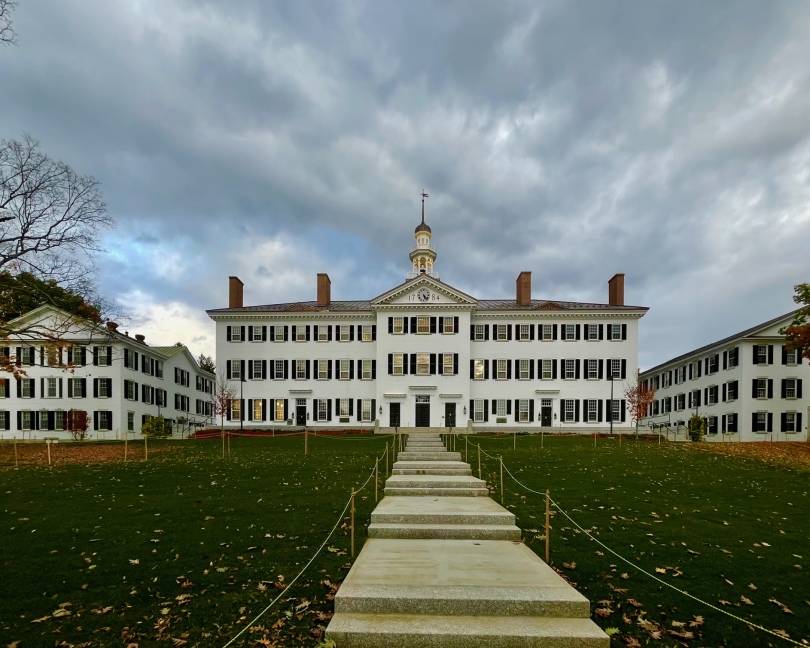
column 479, row 332
column 616, row 409
column 300, row 369
column 711, row 395
column 257, row 370
column 592, row 413
column 761, row 424
column 449, row 325
column 615, row 368
column 366, row 409
column 278, row 333
column 322, row 412
column 548, row 331
column 500, row 373
column 615, row 331
column 478, row 411
column 258, row 414
column 790, row 388
column 790, row 422
column 236, row 370
column 300, row 333
column 500, row 407
column 344, row 407
column 366, row 332
column 344, row 369
column 104, row 387
column 568, row 411
column 592, row 331
column 423, row 364
column 500, row 332
column 101, row 356
column 104, row 420
column 323, row 369
column 323, row 333
column 523, row 369
column 59, row 420
column 733, row 357
column 398, row 364
column 398, row 326
column 25, row 419
column 478, row 370
column 731, row 390
column 790, row 357
column 130, row 390
column 423, row 325
column 523, row 411
column 762, row 388
column 569, row 332
column 279, row 369
column 279, row 407
column 546, row 369
column 257, row 333
column 713, row 362
column 26, row 387
column 51, row 388
column 366, row 366
column 236, row 334
column 236, row 409
column 569, row 369
column 762, row 354
column 344, row 331
column 524, row 332
column 591, row 369
column 665, row 379
column 447, row 360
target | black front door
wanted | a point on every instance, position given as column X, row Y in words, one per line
column 394, row 415
column 545, row 416
column 450, row 415
column 423, row 415
column 301, row 415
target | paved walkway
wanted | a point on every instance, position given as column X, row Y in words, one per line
column 444, row 568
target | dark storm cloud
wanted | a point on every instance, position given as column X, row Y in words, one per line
column 668, row 141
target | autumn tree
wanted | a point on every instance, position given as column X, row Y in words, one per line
column 797, row 334
column 77, row 423
column 639, row 395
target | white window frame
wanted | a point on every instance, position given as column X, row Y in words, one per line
column 258, row 333
column 547, row 332
column 523, row 411
column 478, row 369
column 479, row 332
column 323, row 403
column 478, row 410
column 616, row 368
column 546, row 369
column 300, row 332
column 616, row 409
column 762, row 393
column 449, row 326
column 398, row 326
column 789, row 388
column 790, row 357
column 51, row 385
column 365, row 405
column 278, row 333
column 365, row 366
column 344, row 407
column 236, row 370
column 398, row 364
column 278, row 374
column 236, row 409
column 103, row 389
column 569, row 367
column 568, row 412
column 790, row 422
column 257, row 369
column 278, row 409
column 323, row 333
column 592, row 414
column 569, row 332
column 257, row 409
column 25, row 387
column 422, row 364
column 344, row 332
column 592, row 369
column 236, row 333
column 615, row 332
column 733, row 357
column 300, row 368
column 500, row 332
column 762, row 354
column 762, row 423
column 523, row 369
column 711, row 395
column 344, row 368
column 665, row 380
column 592, row 332
column 500, row 369
column 365, row 333
column 323, row 369
column 525, row 332
column 500, row 407
column 104, row 423
column 448, row 368
column 423, row 325
column 130, row 421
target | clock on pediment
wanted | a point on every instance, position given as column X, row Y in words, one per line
column 423, row 295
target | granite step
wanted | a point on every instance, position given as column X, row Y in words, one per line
column 431, row 471
column 357, row 630
column 400, row 531
column 410, row 491
column 441, row 510
column 434, row 481
column 429, row 456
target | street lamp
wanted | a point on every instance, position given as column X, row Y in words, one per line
column 611, row 402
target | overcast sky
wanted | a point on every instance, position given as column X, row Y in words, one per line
column 666, row 140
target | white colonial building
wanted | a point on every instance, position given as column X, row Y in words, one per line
column 425, row 354
column 58, row 364
column 748, row 386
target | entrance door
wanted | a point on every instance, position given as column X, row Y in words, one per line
column 301, row 412
column 423, row 411
column 545, row 416
column 450, row 415
column 393, row 416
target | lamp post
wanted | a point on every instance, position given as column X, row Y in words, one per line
column 241, row 402
column 611, row 402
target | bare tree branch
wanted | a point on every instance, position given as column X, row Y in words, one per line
column 7, row 34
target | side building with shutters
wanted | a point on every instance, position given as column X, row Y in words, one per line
column 748, row 386
column 425, row 354
column 57, row 371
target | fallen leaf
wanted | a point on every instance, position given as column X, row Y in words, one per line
column 635, row 603
column 571, row 565
column 747, row 601
column 697, row 622
column 134, row 561
column 603, row 612
column 103, row 610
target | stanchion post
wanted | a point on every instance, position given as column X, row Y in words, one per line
column 501, row 458
column 145, row 449
column 466, row 447
column 48, row 444
column 306, row 441
column 352, row 523
column 386, row 460
column 514, row 441
column 126, row 436
column 16, row 465
column 229, row 444
column 542, row 434
column 548, row 526
column 479, row 460
column 594, row 438
column 222, row 434
column 376, row 478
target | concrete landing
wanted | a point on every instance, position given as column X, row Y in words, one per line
column 441, row 510
column 432, row 455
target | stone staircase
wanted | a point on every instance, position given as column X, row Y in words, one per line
column 444, row 568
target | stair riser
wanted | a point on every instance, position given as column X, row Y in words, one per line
column 427, row 482
column 462, row 606
column 458, row 533
column 429, row 640
column 431, row 471
column 438, row 492
column 442, row 518
column 429, row 456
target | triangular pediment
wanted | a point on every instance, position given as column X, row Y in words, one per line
column 424, row 291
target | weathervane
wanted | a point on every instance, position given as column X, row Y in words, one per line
column 424, row 195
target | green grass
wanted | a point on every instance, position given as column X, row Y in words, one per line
column 70, row 532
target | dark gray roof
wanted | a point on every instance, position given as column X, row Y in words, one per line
column 725, row 340
column 483, row 305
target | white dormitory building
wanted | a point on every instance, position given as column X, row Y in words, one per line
column 748, row 386
column 119, row 381
column 426, row 355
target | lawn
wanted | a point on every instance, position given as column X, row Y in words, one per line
column 187, row 548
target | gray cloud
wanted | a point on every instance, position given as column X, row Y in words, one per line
column 574, row 139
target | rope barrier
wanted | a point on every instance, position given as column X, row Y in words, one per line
column 311, row 560
column 645, row 572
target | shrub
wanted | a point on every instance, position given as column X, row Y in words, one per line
column 697, row 427
column 156, row 426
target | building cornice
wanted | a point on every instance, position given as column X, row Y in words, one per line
column 320, row 315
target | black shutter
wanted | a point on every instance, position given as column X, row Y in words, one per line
column 784, row 362
column 374, row 370
column 472, row 369
column 373, row 332
column 486, row 369
column 351, row 333
column 404, row 324
column 95, row 356
column 531, row 370
column 770, row 355
column 724, row 392
column 264, row 339
column 578, row 332
column 599, row 406
column 390, row 327
column 250, row 408
column 308, row 333
column 351, row 369
column 390, row 364
column 264, row 369
column 624, row 369
column 509, row 331
column 624, row 331
column 486, row 410
column 784, row 389
column 770, row 422
column 413, row 325
column 328, row 409
column 228, row 333
column 486, row 331
column 455, row 366
column 554, row 368
column 471, row 411
column 754, row 388
column 455, row 324
column 770, row 387
column 601, row 332
column 440, row 363
column 799, row 388
column 359, row 410
column 472, row 331
column 798, row 422
column 413, row 364
column 576, row 368
column 250, row 370
column 329, row 336
column 725, row 360
column 576, row 411
column 531, row 410
column 509, row 370
column 329, row 370
column 95, row 387
column 601, row 369
column 286, row 333
column 756, row 352
column 554, row 332
column 242, row 338
column 441, row 325
column 228, row 369
column 624, row 409
column 517, row 408
column 250, row 334
column 782, row 422
column 432, row 324
column 531, row 331
column 373, row 409
column 286, row 369
column 95, row 420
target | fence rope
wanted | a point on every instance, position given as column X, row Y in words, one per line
column 311, row 560
column 645, row 572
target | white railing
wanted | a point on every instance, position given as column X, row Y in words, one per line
column 423, row 247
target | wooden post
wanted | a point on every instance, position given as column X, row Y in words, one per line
column 594, row 438
column 48, row 444
column 501, row 458
column 514, row 441
column 376, row 478
column 542, row 434
column 16, row 465
column 466, row 447
column 145, row 449
column 306, row 441
column 548, row 526
column 222, row 434
column 126, row 436
column 229, row 444
column 386, row 460
column 352, row 522
column 479, row 460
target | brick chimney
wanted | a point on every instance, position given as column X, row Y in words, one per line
column 524, row 288
column 324, row 290
column 616, row 290
column 235, row 293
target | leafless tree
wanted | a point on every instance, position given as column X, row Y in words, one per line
column 50, row 217
column 221, row 399
column 7, row 34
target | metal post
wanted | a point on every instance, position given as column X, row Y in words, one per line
column 501, row 458
column 376, row 478
column 611, row 404
column 548, row 526
column 352, row 523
